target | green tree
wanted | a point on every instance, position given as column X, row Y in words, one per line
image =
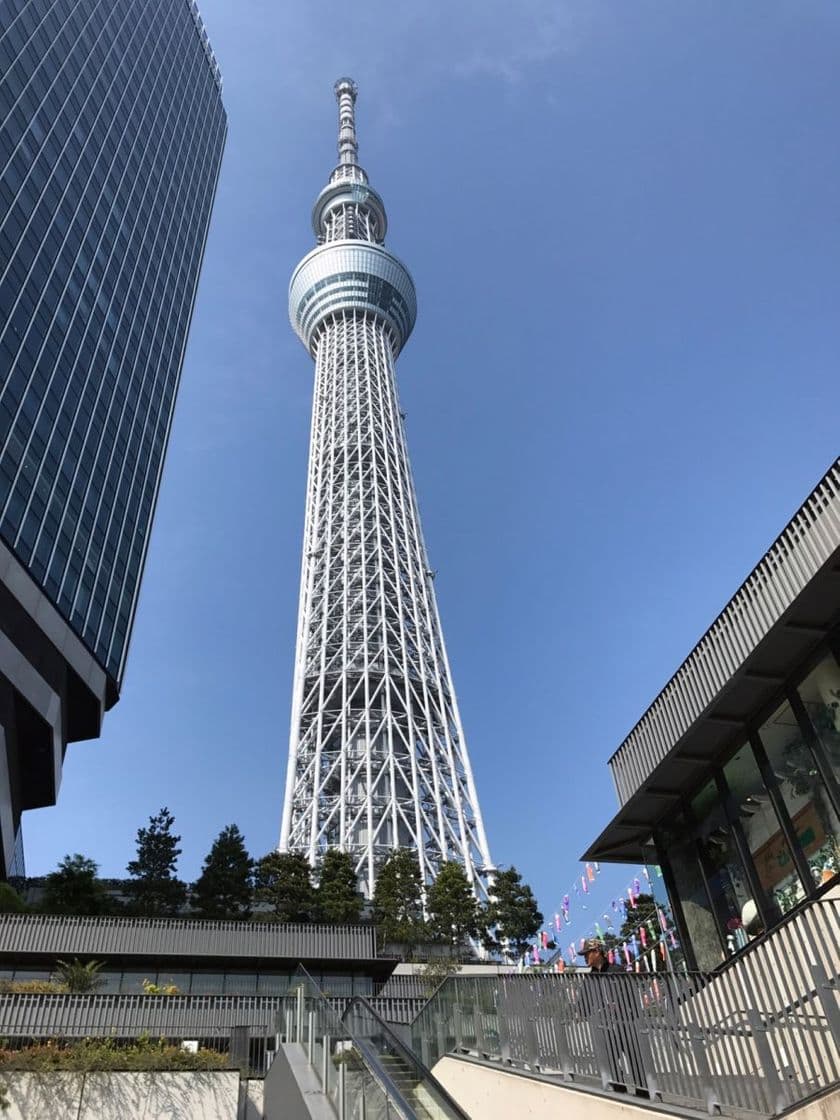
column 78, row 976
column 644, row 911
column 453, row 911
column 10, row 900
column 155, row 889
column 512, row 916
column 73, row 888
column 398, row 900
column 283, row 882
column 223, row 890
column 436, row 970
column 338, row 899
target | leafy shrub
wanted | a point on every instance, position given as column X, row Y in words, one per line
column 10, row 900
column 97, row 1054
column 436, row 970
column 33, row 987
column 150, row 988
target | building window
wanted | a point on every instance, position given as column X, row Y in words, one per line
column 273, row 983
column 802, row 787
column 240, row 983
column 677, row 845
column 820, row 693
column 207, row 983
column 338, row 985
column 179, row 980
column 132, row 981
column 727, row 878
column 111, row 983
column 752, row 806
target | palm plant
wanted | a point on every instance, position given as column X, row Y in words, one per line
column 79, row 977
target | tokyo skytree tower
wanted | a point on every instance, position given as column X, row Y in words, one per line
column 377, row 758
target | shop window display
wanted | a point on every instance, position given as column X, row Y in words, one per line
column 803, row 790
column 726, row 877
column 820, row 693
column 770, row 851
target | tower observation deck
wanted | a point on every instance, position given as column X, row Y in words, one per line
column 377, row 758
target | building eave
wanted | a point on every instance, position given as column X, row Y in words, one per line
column 776, row 620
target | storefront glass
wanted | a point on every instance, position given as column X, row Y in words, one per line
column 726, row 877
column 677, row 846
column 762, row 831
column 730, row 855
column 802, row 787
column 664, row 949
column 820, row 693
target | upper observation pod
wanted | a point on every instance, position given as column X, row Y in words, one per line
column 350, row 270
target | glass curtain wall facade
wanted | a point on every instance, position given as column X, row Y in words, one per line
column 763, row 832
column 262, row 982
column 111, row 137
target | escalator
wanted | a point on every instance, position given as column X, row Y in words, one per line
column 356, row 1060
column 407, row 1082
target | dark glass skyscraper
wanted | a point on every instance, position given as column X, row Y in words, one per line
column 111, row 137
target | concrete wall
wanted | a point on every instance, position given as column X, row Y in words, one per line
column 489, row 1093
column 826, row 1108
column 492, row 1093
column 251, row 1099
column 210, row 1095
column 292, row 1091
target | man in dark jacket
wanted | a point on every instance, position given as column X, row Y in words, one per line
column 613, row 1008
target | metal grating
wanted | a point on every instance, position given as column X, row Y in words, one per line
column 48, row 934
column 794, row 559
column 34, row 1016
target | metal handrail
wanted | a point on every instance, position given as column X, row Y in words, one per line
column 804, row 904
column 762, row 1034
column 371, row 1058
column 294, row 1027
column 423, row 1073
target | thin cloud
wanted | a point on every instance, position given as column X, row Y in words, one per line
column 390, row 47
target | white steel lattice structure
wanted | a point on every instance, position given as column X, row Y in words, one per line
column 377, row 758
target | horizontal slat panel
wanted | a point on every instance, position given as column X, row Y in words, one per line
column 161, row 937
column 794, row 559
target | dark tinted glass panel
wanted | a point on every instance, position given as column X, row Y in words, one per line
column 132, row 981
column 729, row 888
column 272, row 984
column 111, row 982
column 175, row 982
column 820, row 693
column 767, row 844
column 207, row 983
column 801, row 783
column 111, row 135
column 678, row 844
column 240, row 983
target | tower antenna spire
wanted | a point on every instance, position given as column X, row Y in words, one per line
column 348, row 147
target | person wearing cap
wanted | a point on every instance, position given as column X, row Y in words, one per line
column 594, row 953
column 613, row 1011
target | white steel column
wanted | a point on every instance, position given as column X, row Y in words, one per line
column 377, row 757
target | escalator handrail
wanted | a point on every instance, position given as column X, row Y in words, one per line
column 405, row 1052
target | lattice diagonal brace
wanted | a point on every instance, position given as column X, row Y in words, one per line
column 377, row 758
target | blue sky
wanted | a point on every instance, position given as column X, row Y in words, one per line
column 622, row 223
